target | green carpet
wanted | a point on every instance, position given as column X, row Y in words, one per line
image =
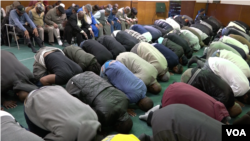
column 26, row 57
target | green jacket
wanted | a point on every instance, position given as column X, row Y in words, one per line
column 79, row 56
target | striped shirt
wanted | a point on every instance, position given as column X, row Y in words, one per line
column 136, row 35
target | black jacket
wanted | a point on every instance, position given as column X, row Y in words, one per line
column 203, row 28
column 213, row 85
column 244, row 24
column 232, row 30
column 177, row 49
column 112, row 45
column 214, row 26
column 126, row 40
column 239, row 50
column 182, row 42
column 101, row 53
column 163, row 25
column 241, row 25
column 72, row 22
column 182, row 20
column 215, row 21
column 109, row 103
column 163, row 31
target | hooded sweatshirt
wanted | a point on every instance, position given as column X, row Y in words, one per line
column 186, row 94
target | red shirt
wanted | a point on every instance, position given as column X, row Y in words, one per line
column 183, row 93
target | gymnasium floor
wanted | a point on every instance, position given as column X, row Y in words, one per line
column 25, row 56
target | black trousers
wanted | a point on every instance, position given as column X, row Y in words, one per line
column 35, row 129
column 69, row 32
column 30, row 30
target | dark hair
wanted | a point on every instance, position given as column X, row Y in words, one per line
column 95, row 67
column 245, row 98
column 145, row 104
column 115, row 8
column 75, row 8
column 96, row 7
column 124, row 126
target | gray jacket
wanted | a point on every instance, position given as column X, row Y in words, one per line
column 214, row 46
column 53, row 109
column 179, row 122
column 39, row 68
column 12, row 131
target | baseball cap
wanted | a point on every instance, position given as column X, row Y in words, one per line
column 21, row 9
column 61, row 9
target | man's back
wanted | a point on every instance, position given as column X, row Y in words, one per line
column 12, row 71
column 60, row 116
column 11, row 130
column 123, row 79
column 153, row 56
column 230, row 73
column 139, row 67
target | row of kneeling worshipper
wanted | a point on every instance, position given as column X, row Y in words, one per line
column 104, row 76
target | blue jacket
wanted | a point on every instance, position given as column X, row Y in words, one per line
column 170, row 56
column 123, row 79
column 19, row 21
column 139, row 28
column 112, row 17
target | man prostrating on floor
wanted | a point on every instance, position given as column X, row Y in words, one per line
column 51, row 66
column 11, row 130
column 58, row 119
column 14, row 76
column 109, row 103
column 123, row 79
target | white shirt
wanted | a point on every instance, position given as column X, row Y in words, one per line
column 231, row 74
column 173, row 23
column 3, row 113
column 202, row 34
column 237, row 60
column 148, row 36
column 4, row 14
column 193, row 39
column 230, row 40
column 234, row 24
column 97, row 15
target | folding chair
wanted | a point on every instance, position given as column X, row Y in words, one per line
column 13, row 34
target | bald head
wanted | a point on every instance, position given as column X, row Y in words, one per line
column 80, row 15
column 154, row 88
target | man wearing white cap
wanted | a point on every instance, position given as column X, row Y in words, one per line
column 37, row 15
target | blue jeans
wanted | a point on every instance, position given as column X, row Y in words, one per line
column 35, row 129
column 116, row 26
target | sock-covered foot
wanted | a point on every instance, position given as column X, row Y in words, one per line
column 144, row 137
column 194, row 59
column 33, row 50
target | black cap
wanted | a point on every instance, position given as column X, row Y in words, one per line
column 134, row 11
column 21, row 8
column 61, row 9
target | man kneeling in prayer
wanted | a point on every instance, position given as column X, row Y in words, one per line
column 60, row 67
column 141, row 69
column 59, row 119
column 123, row 79
column 109, row 103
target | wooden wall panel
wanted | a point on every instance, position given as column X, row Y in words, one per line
column 147, row 12
column 245, row 14
column 212, row 9
column 187, row 8
column 7, row 3
column 197, row 7
column 226, row 13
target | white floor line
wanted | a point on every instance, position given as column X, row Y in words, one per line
column 5, row 48
column 26, row 59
